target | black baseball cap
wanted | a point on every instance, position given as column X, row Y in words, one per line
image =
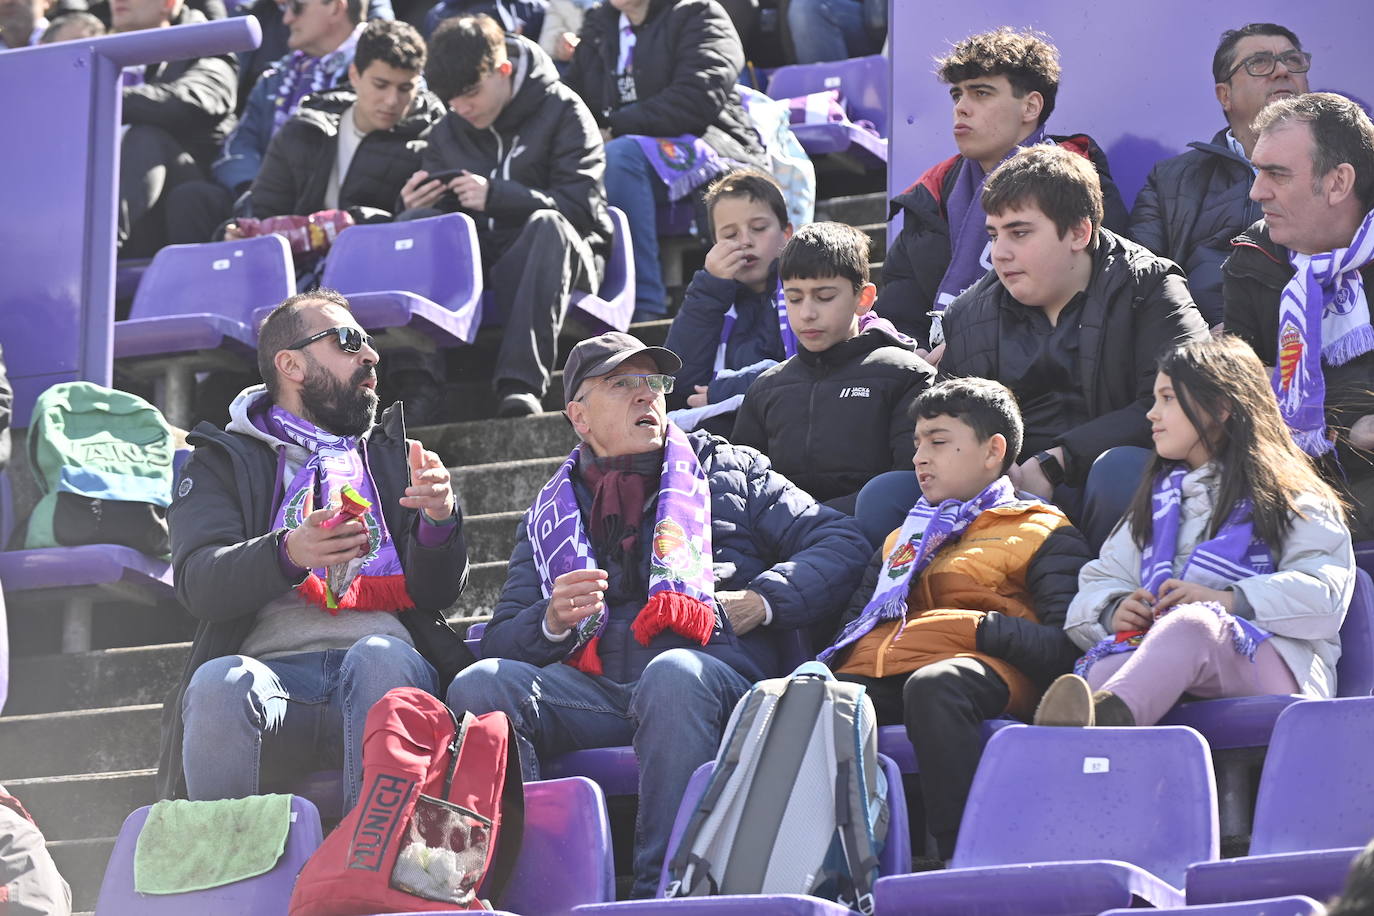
column 597, row 356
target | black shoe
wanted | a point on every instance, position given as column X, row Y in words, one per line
column 519, row 404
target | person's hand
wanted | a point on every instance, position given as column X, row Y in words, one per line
column 725, row 259
column 1175, row 592
column 1135, row 612
column 431, row 488
column 576, row 596
column 419, row 191
column 933, row 357
column 564, row 47
column 1362, row 432
column 699, row 397
column 1032, row 479
column 232, row 233
column 745, row 609
column 471, row 190
column 312, row 546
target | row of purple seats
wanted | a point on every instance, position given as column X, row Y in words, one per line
column 863, row 84
column 1274, row 906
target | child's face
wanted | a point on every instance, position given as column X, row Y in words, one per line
column 825, row 311
column 951, row 463
column 1035, row 265
column 752, row 228
column 1176, row 438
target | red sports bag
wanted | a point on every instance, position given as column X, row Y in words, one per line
column 438, row 823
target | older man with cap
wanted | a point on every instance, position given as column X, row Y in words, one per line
column 649, row 584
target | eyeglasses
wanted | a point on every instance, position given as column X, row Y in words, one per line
column 628, row 384
column 1263, row 63
column 297, row 6
column 351, row 340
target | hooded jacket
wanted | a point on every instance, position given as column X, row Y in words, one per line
column 543, row 152
column 295, row 175
column 766, row 535
column 1136, row 307
column 1190, row 208
column 225, row 553
column 917, row 260
column 686, row 61
column 831, row 421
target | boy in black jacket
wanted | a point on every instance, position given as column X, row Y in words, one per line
column 836, row 414
column 733, row 323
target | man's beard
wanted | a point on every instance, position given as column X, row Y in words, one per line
column 345, row 409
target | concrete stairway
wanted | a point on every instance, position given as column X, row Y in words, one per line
column 79, row 738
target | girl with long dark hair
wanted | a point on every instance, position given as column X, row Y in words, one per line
column 1231, row 572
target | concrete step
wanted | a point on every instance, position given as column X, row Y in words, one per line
column 84, row 741
column 89, row 804
column 485, row 581
column 504, row 486
column 491, row 537
column 94, row 680
column 481, row 442
column 877, row 242
column 82, row 864
column 857, row 209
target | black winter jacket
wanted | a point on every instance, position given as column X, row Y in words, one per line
column 1041, row 651
column 917, row 260
column 542, row 153
column 295, row 173
column 1137, row 307
column 1254, row 277
column 1189, row 210
column 193, row 100
column 695, row 335
column 226, row 566
column 686, row 61
column 832, row 421
column 766, row 535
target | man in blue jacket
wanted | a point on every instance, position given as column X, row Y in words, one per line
column 727, row 553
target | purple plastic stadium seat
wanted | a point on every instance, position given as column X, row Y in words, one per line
column 1314, row 811
column 742, row 904
column 418, row 277
column 264, row 895
column 862, row 82
column 893, row 742
column 614, row 302
column 1274, row 906
column 1073, row 821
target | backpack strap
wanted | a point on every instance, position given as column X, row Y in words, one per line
column 851, row 795
column 509, row 838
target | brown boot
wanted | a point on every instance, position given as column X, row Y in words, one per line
column 1109, row 710
column 1068, row 701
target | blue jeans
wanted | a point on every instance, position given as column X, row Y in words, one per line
column 674, row 715
column 828, row 30
column 634, row 186
column 261, row 725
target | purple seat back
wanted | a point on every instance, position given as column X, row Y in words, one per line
column 229, row 279
column 268, row 894
column 614, row 303
column 862, row 82
column 1317, row 789
column 1274, row 906
column 741, row 904
column 565, row 857
column 435, row 258
column 1140, row 795
column 1355, row 668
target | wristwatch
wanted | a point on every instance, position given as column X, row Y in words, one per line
column 1051, row 468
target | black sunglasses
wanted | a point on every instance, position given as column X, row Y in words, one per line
column 351, row 340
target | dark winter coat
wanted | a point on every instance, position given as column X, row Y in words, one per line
column 226, row 566
column 542, row 153
column 295, row 175
column 1136, row 307
column 686, row 61
column 832, row 421
column 766, row 535
column 1189, row 210
column 917, row 260
column 193, row 100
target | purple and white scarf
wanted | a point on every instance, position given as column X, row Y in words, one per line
column 1323, row 317
column 681, row 594
column 927, row 528
column 303, row 74
column 375, row 582
column 727, row 327
column 1234, row 554
column 682, row 163
column 624, row 75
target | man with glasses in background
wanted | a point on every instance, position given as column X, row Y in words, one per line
column 650, row 583
column 1193, row 205
column 319, row 550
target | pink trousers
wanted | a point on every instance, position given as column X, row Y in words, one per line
column 1188, row 651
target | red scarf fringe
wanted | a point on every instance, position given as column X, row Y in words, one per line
column 364, row 593
column 587, row 659
column 669, row 610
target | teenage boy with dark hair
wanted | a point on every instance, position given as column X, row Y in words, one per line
column 532, row 162
column 1003, row 85
column 835, row 415
column 972, row 627
column 1194, row 204
column 1071, row 319
column 733, row 324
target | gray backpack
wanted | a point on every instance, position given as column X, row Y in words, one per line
column 797, row 802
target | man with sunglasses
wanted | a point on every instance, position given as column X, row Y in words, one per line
column 319, row 549
column 1192, row 205
column 650, row 584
